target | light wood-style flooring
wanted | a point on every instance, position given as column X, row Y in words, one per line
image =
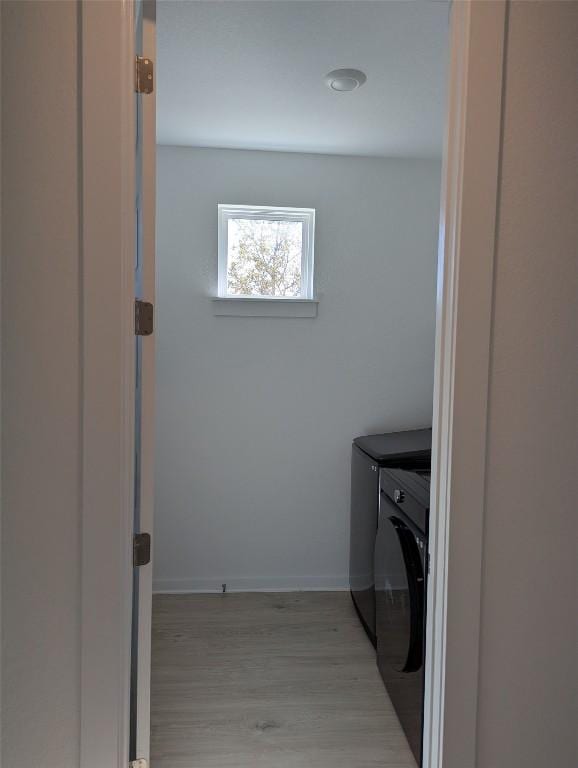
column 262, row 680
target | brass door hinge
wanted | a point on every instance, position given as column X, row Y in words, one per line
column 143, row 318
column 141, row 549
column 144, row 75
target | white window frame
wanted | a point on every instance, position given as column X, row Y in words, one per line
column 271, row 213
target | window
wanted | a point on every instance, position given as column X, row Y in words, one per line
column 265, row 252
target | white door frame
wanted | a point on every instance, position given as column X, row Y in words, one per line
column 463, row 335
column 108, row 377
column 465, row 290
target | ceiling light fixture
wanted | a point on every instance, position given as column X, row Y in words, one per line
column 344, row 80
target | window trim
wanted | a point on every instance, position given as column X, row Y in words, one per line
column 241, row 306
column 271, row 213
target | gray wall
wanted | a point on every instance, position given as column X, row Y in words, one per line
column 256, row 415
column 528, row 708
column 40, row 405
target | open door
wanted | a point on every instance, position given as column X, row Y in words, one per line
column 145, row 144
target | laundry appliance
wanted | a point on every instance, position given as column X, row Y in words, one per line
column 403, row 450
column 401, row 570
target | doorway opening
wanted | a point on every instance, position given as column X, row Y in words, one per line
column 298, row 183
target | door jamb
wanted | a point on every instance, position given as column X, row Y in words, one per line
column 464, row 302
column 463, row 336
column 107, row 123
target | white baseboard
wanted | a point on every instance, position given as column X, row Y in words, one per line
column 243, row 584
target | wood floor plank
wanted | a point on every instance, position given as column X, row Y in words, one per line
column 265, row 680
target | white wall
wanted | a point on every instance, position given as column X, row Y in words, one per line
column 528, row 702
column 40, row 386
column 256, row 415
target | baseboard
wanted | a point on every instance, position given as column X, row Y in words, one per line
column 242, row 584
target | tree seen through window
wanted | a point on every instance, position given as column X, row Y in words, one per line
column 264, row 257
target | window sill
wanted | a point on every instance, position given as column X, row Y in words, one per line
column 247, row 307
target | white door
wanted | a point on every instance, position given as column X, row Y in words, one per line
column 139, row 746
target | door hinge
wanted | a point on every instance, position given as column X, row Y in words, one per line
column 143, row 318
column 144, row 75
column 140, row 763
column 141, row 549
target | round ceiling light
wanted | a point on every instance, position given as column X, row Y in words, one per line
column 344, row 80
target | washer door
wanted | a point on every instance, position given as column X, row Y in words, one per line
column 400, row 593
column 400, row 603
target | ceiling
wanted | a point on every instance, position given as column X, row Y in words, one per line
column 250, row 75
